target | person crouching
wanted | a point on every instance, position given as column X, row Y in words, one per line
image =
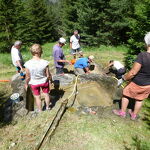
column 38, row 76
column 82, row 65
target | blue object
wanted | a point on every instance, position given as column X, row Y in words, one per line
column 22, row 76
column 81, row 63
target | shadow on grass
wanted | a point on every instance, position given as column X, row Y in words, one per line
column 138, row 144
column 3, row 99
column 146, row 118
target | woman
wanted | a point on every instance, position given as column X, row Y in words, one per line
column 38, row 76
column 139, row 87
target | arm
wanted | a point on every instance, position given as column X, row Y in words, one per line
column 70, row 45
column 135, row 69
column 87, row 70
column 65, row 61
column 27, row 77
column 48, row 74
column 19, row 64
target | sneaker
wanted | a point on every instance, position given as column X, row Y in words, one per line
column 119, row 113
column 133, row 116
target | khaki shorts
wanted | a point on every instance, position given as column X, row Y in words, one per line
column 137, row 92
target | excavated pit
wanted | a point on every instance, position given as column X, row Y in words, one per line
column 93, row 90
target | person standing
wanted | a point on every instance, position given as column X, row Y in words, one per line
column 38, row 76
column 139, row 87
column 75, row 44
column 59, row 57
column 16, row 56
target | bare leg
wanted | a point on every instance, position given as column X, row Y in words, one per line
column 47, row 100
column 124, row 103
column 38, row 102
column 137, row 107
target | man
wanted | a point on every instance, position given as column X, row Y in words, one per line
column 59, row 58
column 118, row 69
column 75, row 44
column 82, row 65
column 16, row 56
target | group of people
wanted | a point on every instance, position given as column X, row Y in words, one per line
column 38, row 74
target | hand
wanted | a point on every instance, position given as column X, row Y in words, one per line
column 69, row 62
column 26, row 86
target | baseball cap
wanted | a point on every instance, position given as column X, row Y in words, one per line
column 62, row 40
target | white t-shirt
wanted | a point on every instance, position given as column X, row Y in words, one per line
column 16, row 55
column 37, row 71
column 75, row 41
column 118, row 65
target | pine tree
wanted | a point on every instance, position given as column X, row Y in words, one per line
column 6, row 25
column 39, row 24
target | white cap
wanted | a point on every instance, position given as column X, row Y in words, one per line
column 62, row 40
column 91, row 57
column 17, row 43
column 147, row 39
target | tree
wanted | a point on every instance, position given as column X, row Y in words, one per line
column 6, row 24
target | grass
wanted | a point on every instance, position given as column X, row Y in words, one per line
column 75, row 131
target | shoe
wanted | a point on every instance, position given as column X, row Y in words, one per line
column 119, row 113
column 133, row 116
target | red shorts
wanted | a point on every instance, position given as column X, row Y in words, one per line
column 43, row 86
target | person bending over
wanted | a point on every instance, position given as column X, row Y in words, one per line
column 118, row 69
column 82, row 65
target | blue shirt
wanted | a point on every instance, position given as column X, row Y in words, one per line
column 58, row 55
column 81, row 63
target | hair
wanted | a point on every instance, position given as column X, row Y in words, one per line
column 36, row 49
column 17, row 43
column 111, row 61
column 147, row 39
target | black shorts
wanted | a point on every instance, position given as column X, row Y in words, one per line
column 74, row 51
column 59, row 70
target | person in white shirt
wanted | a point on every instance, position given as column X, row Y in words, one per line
column 75, row 44
column 38, row 76
column 16, row 56
column 118, row 69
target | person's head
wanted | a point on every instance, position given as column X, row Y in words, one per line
column 18, row 44
column 36, row 49
column 147, row 39
column 75, row 32
column 111, row 61
column 62, row 42
column 90, row 58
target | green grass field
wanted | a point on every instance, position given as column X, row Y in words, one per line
column 76, row 131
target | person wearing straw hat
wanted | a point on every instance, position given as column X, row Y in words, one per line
column 82, row 65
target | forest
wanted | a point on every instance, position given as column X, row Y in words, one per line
column 100, row 22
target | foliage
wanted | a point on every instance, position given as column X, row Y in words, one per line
column 6, row 24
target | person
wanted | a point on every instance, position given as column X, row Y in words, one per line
column 75, row 44
column 139, row 87
column 16, row 56
column 38, row 76
column 59, row 58
column 82, row 65
column 118, row 69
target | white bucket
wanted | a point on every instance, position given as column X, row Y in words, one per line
column 15, row 97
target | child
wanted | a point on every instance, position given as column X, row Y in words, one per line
column 38, row 76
